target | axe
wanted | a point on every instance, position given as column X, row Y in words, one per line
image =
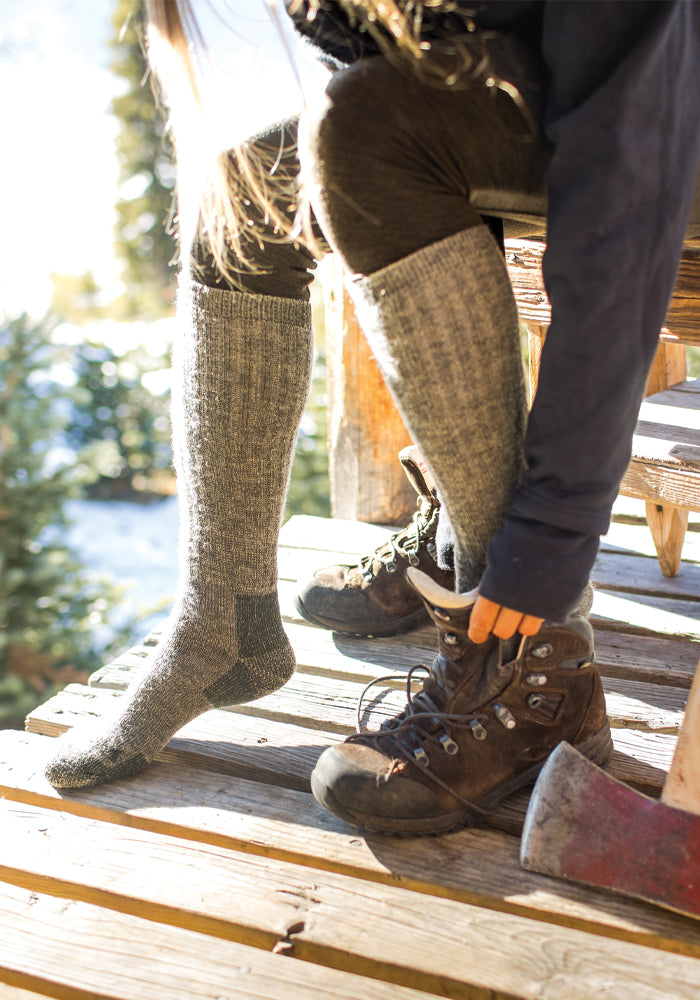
column 586, row 826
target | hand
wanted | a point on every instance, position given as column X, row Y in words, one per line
column 488, row 618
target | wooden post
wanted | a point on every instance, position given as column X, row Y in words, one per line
column 670, row 365
column 667, row 524
column 366, row 431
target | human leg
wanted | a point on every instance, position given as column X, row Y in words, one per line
column 241, row 370
column 392, row 165
column 433, row 297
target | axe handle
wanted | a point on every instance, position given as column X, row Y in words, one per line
column 682, row 787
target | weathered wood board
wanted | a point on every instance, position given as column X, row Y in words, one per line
column 323, row 917
column 479, row 867
column 214, row 873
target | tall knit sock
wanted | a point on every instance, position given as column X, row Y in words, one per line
column 443, row 325
column 242, row 368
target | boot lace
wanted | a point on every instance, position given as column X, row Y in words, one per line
column 406, row 543
column 422, row 718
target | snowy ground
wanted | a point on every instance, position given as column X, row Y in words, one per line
column 131, row 545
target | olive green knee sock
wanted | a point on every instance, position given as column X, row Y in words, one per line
column 241, row 372
column 443, row 325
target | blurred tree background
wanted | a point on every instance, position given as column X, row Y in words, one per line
column 86, row 418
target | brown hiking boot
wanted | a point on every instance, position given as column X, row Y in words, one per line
column 482, row 726
column 372, row 598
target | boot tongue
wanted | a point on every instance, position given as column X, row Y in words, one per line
column 437, row 598
column 480, row 672
column 418, row 473
column 490, row 675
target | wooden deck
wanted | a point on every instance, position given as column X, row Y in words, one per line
column 214, row 874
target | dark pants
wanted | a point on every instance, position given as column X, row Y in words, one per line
column 395, row 165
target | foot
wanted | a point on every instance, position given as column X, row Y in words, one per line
column 482, row 726
column 191, row 673
column 372, row 597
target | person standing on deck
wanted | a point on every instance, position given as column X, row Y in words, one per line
column 593, row 104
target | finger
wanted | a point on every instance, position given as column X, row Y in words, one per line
column 530, row 625
column 483, row 616
column 507, row 623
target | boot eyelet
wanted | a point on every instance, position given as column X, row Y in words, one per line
column 535, row 700
column 478, row 731
column 390, row 567
column 441, row 615
column 413, row 558
column 543, row 651
column 421, row 757
column 449, row 745
column 504, row 716
column 536, row 680
column 451, row 638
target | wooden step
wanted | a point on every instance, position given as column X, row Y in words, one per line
column 479, row 867
column 384, row 929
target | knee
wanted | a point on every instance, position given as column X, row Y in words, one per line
column 357, row 125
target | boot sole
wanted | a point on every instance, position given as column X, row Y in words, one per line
column 390, row 627
column 598, row 749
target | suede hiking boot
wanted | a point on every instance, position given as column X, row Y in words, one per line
column 482, row 725
column 372, row 597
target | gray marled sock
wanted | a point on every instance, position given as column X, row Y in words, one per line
column 443, row 325
column 241, row 367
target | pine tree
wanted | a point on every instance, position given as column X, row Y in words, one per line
column 144, row 234
column 119, row 428
column 49, row 610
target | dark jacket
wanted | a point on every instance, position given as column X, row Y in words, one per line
column 623, row 115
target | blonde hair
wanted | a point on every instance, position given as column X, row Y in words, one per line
column 215, row 195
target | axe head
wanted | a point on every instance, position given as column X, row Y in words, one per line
column 584, row 825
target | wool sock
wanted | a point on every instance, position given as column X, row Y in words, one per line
column 443, row 326
column 241, row 369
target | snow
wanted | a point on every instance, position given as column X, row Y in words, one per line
column 131, row 545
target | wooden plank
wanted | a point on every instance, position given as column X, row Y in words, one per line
column 637, row 574
column 14, row 993
column 653, row 446
column 685, row 395
column 66, row 948
column 524, row 263
column 649, row 481
column 636, row 539
column 282, row 754
column 639, row 614
column 394, row 934
column 479, row 867
column 612, row 570
column 618, row 654
column 646, row 658
column 646, row 614
column 677, row 408
column 275, row 753
column 323, row 535
column 644, row 707
column 328, row 701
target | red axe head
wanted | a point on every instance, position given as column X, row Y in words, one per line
column 585, row 826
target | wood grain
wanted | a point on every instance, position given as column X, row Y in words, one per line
column 382, row 931
column 79, row 951
column 476, row 866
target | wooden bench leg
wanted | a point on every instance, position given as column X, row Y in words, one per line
column 668, row 526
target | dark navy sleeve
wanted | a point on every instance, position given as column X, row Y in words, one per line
column 623, row 115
